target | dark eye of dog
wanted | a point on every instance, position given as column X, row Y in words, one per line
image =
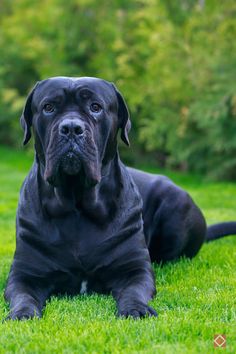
column 48, row 108
column 95, row 107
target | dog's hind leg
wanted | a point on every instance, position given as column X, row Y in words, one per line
column 178, row 229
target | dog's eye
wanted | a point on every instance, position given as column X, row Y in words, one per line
column 48, row 108
column 95, row 107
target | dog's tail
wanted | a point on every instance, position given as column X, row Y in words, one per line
column 220, row 230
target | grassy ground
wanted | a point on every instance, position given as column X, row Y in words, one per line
column 195, row 300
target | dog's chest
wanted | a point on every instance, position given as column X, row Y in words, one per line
column 82, row 251
column 83, row 255
column 79, row 241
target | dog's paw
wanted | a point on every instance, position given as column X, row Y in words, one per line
column 23, row 314
column 137, row 311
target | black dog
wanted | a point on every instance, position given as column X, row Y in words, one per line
column 79, row 219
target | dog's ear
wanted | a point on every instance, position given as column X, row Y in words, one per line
column 26, row 117
column 123, row 116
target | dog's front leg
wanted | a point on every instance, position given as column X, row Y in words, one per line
column 133, row 294
column 26, row 299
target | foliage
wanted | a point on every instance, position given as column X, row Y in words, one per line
column 174, row 61
column 195, row 299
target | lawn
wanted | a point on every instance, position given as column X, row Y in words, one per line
column 195, row 300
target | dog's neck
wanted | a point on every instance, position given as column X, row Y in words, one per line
column 97, row 202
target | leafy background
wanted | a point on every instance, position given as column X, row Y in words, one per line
column 173, row 60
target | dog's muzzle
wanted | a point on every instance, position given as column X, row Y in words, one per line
column 72, row 151
column 71, row 130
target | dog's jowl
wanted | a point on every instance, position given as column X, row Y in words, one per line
column 85, row 222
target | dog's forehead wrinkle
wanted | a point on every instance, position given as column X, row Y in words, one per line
column 48, row 94
column 70, row 84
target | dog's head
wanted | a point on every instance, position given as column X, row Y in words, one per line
column 75, row 123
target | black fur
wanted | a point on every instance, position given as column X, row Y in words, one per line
column 80, row 214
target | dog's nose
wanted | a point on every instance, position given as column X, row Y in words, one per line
column 70, row 127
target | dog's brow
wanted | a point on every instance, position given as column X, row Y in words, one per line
column 55, row 98
column 85, row 92
column 52, row 94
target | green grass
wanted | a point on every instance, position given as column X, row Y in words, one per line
column 195, row 299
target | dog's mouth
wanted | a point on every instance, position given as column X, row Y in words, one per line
column 67, row 163
column 73, row 160
column 70, row 163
